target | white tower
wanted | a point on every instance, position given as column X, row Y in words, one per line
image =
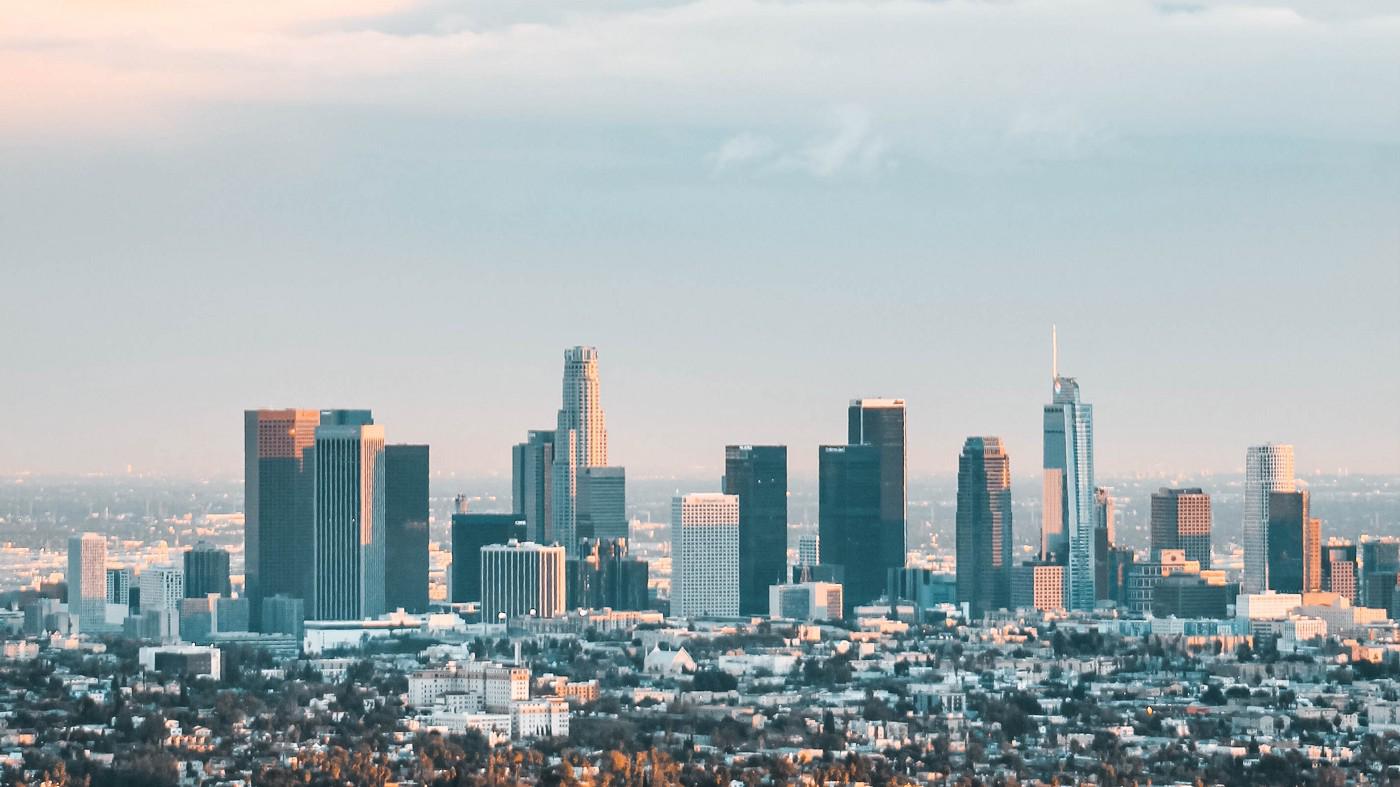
column 87, row 581
column 705, row 555
column 1267, row 468
column 580, row 440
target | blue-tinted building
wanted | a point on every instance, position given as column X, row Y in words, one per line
column 1067, row 530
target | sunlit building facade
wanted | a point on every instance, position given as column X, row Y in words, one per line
column 984, row 528
column 1068, row 523
column 347, row 540
column 580, row 440
column 705, row 555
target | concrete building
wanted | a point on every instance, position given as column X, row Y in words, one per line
column 87, row 582
column 1037, row 585
column 347, row 538
column 812, row 601
column 580, row 440
column 705, row 555
column 1181, row 519
column 520, row 579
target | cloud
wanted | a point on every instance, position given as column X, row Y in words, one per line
column 741, row 149
column 848, row 145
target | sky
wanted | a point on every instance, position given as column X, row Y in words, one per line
column 755, row 210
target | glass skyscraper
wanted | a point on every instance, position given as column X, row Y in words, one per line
column 206, row 571
column 347, row 534
column 471, row 532
column 1068, row 524
column 881, row 423
column 532, row 483
column 406, row 528
column 580, row 442
column 984, row 532
column 276, row 503
column 758, row 475
column 1268, row 468
column 848, row 519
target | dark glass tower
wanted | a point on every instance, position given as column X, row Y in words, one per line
column 471, row 532
column 406, row 528
column 206, row 571
column 758, row 475
column 604, row 577
column 881, row 423
column 277, row 503
column 984, row 532
column 1295, row 558
column 1181, row 520
column 848, row 519
column 532, row 487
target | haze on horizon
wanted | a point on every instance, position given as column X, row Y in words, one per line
column 755, row 210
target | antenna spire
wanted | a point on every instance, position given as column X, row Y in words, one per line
column 1054, row 354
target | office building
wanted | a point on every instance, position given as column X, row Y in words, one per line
column 284, row 615
column 1193, row 596
column 406, row 528
column 87, row 582
column 1068, row 516
column 604, row 577
column 277, row 502
column 1380, row 567
column 119, row 581
column 580, row 440
column 809, row 550
column 470, row 533
column 881, row 423
column 984, row 527
column 705, row 555
column 1268, row 468
column 848, row 519
column 1341, row 571
column 520, row 579
column 602, row 504
column 206, row 571
column 922, row 587
column 1121, row 561
column 347, row 538
column 807, row 601
column 232, row 615
column 1294, row 544
column 1181, row 519
column 162, row 589
column 532, row 483
column 1103, row 542
column 1144, row 578
column 1036, row 585
column 757, row 475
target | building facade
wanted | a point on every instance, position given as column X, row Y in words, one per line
column 347, row 539
column 532, row 483
column 1068, row 521
column 580, row 440
column 522, row 579
column 276, row 502
column 1341, row 571
column 882, row 423
column 848, row 519
column 87, row 582
column 805, row 601
column 1181, row 519
column 757, row 474
column 1268, row 468
column 984, row 526
column 705, row 555
column 602, row 504
column 1294, row 544
column 470, row 533
column 1037, row 585
column 406, row 528
column 206, row 571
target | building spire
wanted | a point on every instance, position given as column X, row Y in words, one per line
column 1054, row 354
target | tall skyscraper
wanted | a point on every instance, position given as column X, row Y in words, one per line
column 604, row 577
column 277, row 502
column 1181, row 519
column 1103, row 543
column 521, row 579
column 1067, row 534
column 471, row 532
column 1380, row 568
column 757, row 474
column 347, row 539
column 1295, row 544
column 206, row 571
column 705, row 555
column 406, row 528
column 1268, row 468
column 532, row 483
column 602, row 504
column 882, row 423
column 984, row 529
column 848, row 519
column 580, row 440
column 87, row 582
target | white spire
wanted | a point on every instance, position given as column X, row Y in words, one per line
column 1054, row 354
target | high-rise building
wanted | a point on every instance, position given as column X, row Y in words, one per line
column 1341, row 570
column 1380, row 567
column 1067, row 530
column 604, row 577
column 206, row 571
column 406, row 528
column 1038, row 585
column 848, row 519
column 119, row 585
column 277, row 502
column 705, row 555
column 162, row 589
column 1268, row 468
column 1103, row 542
column 284, row 615
column 882, row 423
column 87, row 582
column 520, row 579
column 347, row 539
column 984, row 528
column 805, row 601
column 757, row 474
column 532, row 483
column 1181, row 519
column 580, row 440
column 1295, row 544
column 470, row 533
column 602, row 504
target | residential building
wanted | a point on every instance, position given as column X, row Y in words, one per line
column 87, row 582
column 1341, row 571
column 1035, row 585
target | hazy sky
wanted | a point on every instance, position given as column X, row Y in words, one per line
column 756, row 210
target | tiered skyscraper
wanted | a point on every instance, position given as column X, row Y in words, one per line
column 758, row 475
column 580, row 444
column 984, row 531
column 1268, row 468
column 1067, row 534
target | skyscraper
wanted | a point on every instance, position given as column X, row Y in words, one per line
column 1103, row 543
column 532, row 483
column 1067, row 534
column 602, row 504
column 848, row 519
column 1295, row 544
column 1341, row 571
column 206, row 571
column 882, row 423
column 406, row 528
column 162, row 589
column 276, row 502
column 1380, row 567
column 580, row 441
column 1268, row 468
column 347, row 539
column 603, row 576
column 705, row 555
column 984, row 529
column 471, row 532
column 520, row 579
column 757, row 474
column 1181, row 519
column 87, row 582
